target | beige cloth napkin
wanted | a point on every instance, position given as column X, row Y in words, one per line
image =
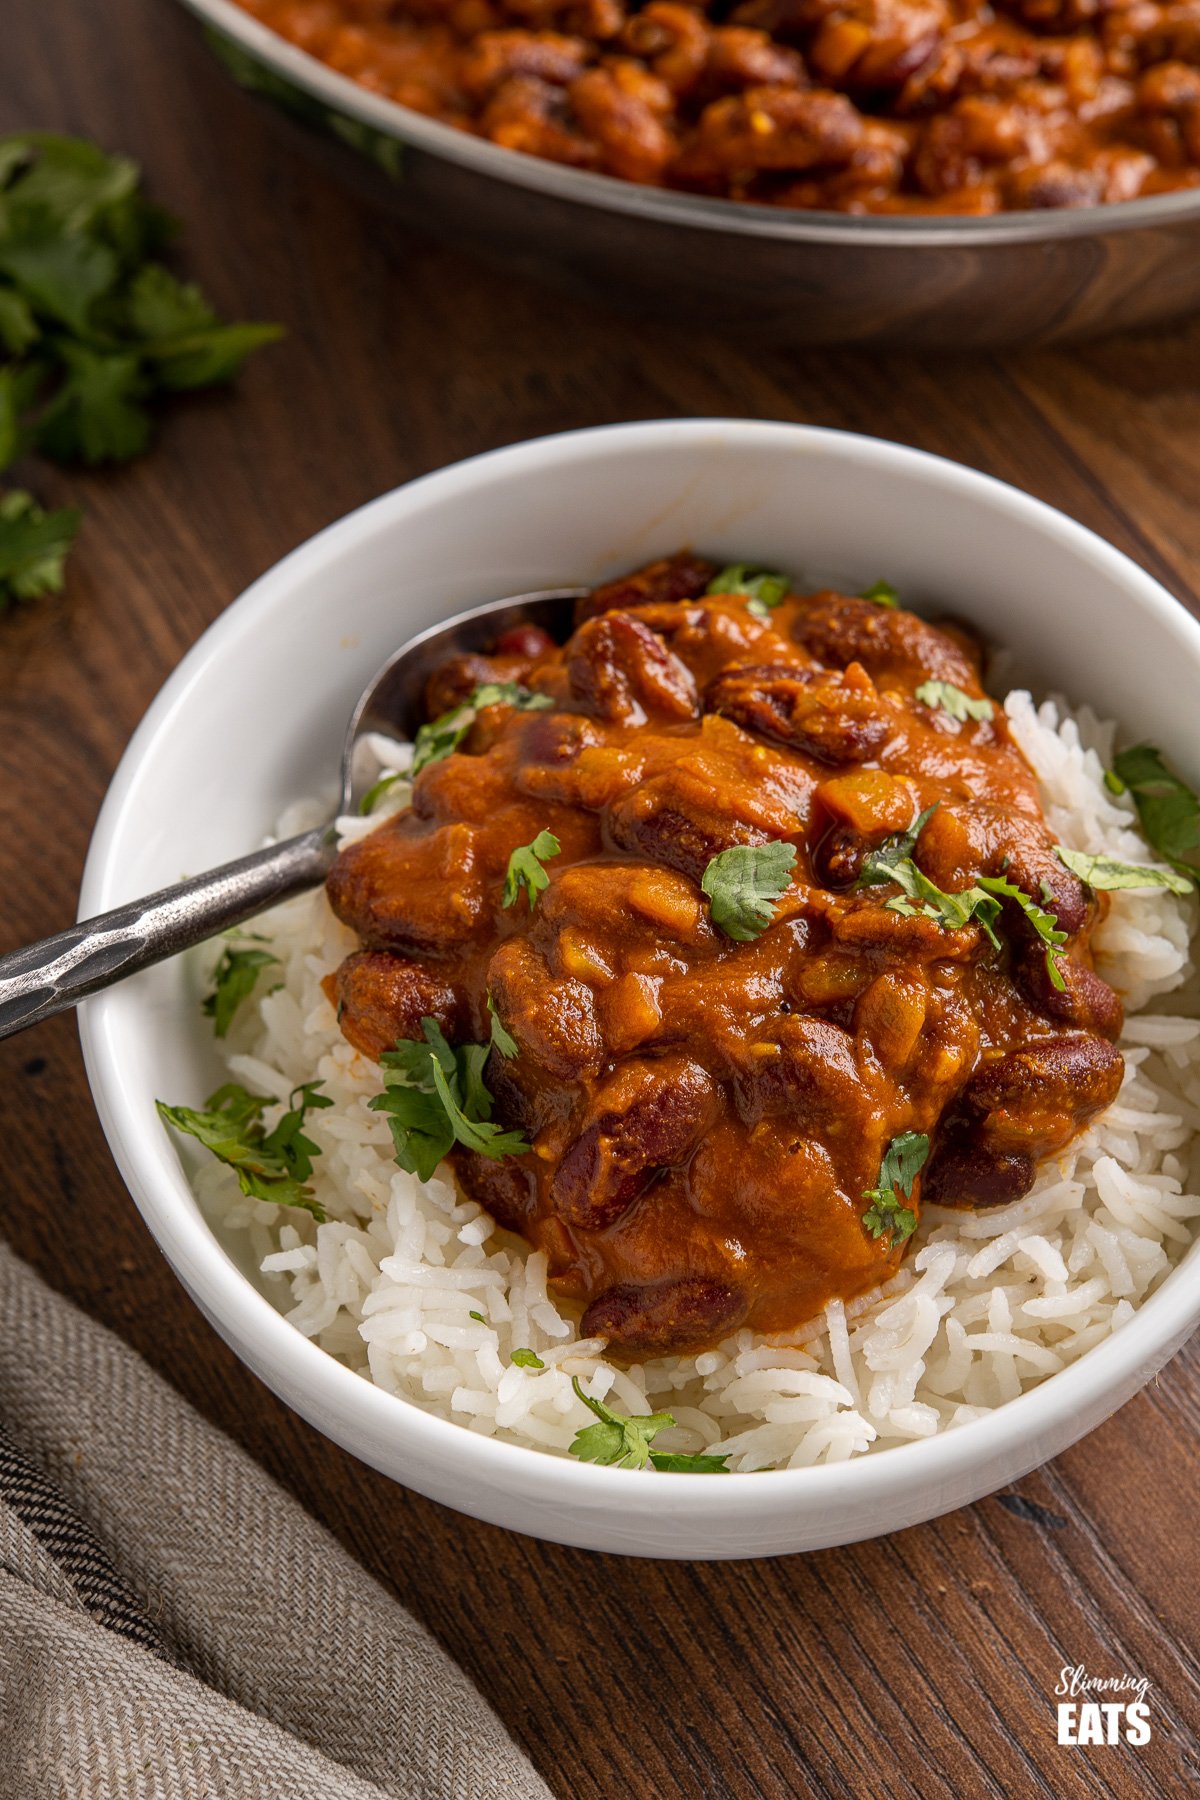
column 174, row 1627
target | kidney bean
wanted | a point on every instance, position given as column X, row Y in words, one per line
column 681, row 577
column 648, row 1116
column 832, row 717
column 670, row 1317
column 620, row 671
column 381, row 997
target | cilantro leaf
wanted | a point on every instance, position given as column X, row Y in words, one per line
column 952, row 700
column 1104, row 873
column 234, row 980
column 92, row 329
column 274, row 1165
column 479, row 1316
column 1168, row 810
column 764, row 588
column 18, row 327
column 744, row 883
column 376, row 792
column 60, row 277
column 435, row 1097
column 902, row 1162
column 979, row 904
column 674, row 1462
column 475, row 1134
column 882, row 592
column 504, row 1040
column 525, row 871
column 97, row 413
column 33, row 546
column 620, row 1438
column 1045, row 924
column 442, row 736
column 527, row 1359
column 878, row 864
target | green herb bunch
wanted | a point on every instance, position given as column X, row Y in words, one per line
column 94, row 328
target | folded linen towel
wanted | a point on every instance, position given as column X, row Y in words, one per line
column 174, row 1626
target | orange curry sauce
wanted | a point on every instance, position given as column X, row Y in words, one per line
column 707, row 1115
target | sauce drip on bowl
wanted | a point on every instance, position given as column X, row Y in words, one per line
column 708, row 1115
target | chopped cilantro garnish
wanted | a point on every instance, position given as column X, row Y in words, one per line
column 378, row 789
column 525, row 871
column 619, row 1438
column 979, row 904
column 623, row 1439
column 33, row 547
column 887, row 1215
column 743, row 885
column 1168, row 810
column 527, row 1359
column 882, row 592
column 479, row 1316
column 1105, row 872
column 435, row 1097
column 270, row 1165
column 878, row 864
column 1045, row 924
column 952, row 700
column 673, row 1462
column 504, row 1040
column 234, row 980
column 442, row 736
column 763, row 588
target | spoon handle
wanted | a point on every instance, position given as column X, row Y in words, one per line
column 49, row 977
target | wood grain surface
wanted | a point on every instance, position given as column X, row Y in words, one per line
column 920, row 1664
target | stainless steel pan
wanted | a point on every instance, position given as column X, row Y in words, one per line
column 793, row 277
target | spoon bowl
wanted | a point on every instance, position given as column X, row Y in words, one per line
column 51, row 976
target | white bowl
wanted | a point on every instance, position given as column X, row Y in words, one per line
column 253, row 716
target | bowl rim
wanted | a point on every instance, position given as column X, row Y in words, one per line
column 669, row 206
column 367, row 1411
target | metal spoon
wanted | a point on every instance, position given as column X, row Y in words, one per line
column 49, row 977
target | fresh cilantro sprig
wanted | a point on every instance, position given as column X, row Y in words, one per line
column 882, row 593
column 33, row 546
column 980, row 904
column 623, row 1440
column 526, row 1359
column 1168, row 809
column 93, row 329
column 435, row 1097
column 743, row 885
column 525, row 872
column 1044, row 924
column 270, row 1165
column 442, row 736
column 952, row 700
column 378, row 789
column 878, row 864
column 234, row 980
column 764, row 588
column 502, row 1038
column 1105, row 873
column 887, row 1215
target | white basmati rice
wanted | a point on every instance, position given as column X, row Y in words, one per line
column 411, row 1285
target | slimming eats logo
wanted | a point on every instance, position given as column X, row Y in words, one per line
column 1102, row 1709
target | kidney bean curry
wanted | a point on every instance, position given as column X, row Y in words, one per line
column 735, row 930
column 866, row 106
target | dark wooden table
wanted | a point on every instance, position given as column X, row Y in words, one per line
column 923, row 1663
